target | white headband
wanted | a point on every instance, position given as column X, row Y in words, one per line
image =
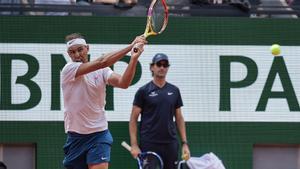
column 77, row 41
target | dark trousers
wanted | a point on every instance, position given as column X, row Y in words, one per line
column 168, row 152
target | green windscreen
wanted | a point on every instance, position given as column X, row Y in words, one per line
column 236, row 94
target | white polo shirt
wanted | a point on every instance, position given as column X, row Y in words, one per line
column 84, row 99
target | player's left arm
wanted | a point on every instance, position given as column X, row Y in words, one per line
column 182, row 132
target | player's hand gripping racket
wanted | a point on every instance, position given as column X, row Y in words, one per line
column 157, row 18
column 146, row 160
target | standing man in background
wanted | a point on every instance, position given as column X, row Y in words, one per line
column 89, row 141
column 158, row 102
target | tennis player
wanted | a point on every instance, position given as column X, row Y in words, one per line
column 89, row 141
column 158, row 102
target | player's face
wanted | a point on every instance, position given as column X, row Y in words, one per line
column 160, row 69
column 79, row 53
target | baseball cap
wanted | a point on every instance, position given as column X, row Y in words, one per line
column 159, row 57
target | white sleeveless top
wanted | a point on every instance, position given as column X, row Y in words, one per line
column 84, row 99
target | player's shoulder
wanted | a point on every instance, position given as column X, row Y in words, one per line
column 70, row 65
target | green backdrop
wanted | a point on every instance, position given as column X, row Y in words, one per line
column 232, row 141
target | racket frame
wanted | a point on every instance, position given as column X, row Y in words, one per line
column 140, row 156
column 149, row 30
column 140, row 159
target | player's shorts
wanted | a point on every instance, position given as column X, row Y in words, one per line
column 168, row 152
column 83, row 149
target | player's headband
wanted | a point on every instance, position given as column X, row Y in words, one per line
column 77, row 41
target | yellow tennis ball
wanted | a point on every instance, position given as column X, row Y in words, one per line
column 185, row 157
column 275, row 49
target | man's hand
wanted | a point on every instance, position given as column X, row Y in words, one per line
column 137, row 50
column 185, row 152
column 139, row 39
column 135, row 151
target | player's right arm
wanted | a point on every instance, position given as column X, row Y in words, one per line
column 108, row 59
column 135, row 150
column 123, row 81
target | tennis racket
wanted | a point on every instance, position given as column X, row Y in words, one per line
column 157, row 18
column 146, row 160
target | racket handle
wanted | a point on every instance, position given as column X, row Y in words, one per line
column 125, row 145
column 135, row 50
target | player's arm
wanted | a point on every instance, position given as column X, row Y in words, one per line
column 124, row 81
column 135, row 150
column 182, row 132
column 107, row 59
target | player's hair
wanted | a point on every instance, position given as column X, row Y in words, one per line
column 73, row 36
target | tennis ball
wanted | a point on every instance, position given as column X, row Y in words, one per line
column 275, row 49
column 185, row 157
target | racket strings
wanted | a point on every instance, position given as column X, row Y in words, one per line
column 159, row 17
column 150, row 161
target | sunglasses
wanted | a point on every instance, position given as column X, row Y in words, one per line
column 165, row 65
